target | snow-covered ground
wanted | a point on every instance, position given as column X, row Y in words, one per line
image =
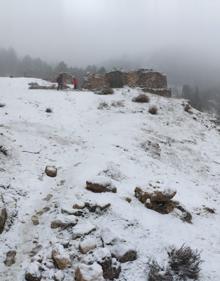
column 93, row 137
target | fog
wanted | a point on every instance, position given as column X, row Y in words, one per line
column 83, row 32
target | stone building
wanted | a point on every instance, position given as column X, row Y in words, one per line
column 148, row 80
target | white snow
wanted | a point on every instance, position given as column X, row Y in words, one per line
column 84, row 142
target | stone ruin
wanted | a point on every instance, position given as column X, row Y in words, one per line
column 148, row 80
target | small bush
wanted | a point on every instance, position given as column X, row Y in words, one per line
column 153, row 110
column 185, row 263
column 48, row 110
column 103, row 105
column 142, row 98
column 106, row 91
column 3, row 150
column 157, row 273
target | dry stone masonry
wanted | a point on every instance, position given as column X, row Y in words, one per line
column 149, row 81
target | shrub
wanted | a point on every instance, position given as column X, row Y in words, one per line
column 3, row 150
column 142, row 98
column 157, row 273
column 153, row 110
column 103, row 105
column 185, row 263
column 48, row 110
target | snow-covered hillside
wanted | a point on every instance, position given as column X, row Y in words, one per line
column 96, row 138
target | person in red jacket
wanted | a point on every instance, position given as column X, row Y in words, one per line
column 75, row 83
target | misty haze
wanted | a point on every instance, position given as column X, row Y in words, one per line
column 109, row 140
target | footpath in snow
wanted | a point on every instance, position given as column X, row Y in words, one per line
column 57, row 229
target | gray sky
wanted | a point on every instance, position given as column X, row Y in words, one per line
column 83, row 32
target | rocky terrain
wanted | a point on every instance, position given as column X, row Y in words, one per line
column 101, row 187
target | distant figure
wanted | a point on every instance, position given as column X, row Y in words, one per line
column 75, row 83
column 60, row 82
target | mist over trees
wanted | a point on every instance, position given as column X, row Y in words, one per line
column 13, row 66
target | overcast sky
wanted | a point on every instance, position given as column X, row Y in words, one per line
column 83, row 32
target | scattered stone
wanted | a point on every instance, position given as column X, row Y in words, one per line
column 60, row 258
column 100, row 187
column 124, row 253
column 35, row 220
column 2, row 104
column 110, row 238
column 111, row 268
column 64, row 222
column 89, row 273
column 79, row 205
column 128, row 199
column 188, row 108
column 48, row 197
column 33, row 273
column 209, row 210
column 83, row 229
column 87, row 245
column 153, row 110
column 35, row 251
column 142, row 98
column 10, row 258
column 51, row 171
column 44, row 210
column 105, row 91
column 59, row 276
column 3, row 214
column 158, row 201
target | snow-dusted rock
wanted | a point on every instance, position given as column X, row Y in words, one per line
column 87, row 245
column 35, row 220
column 10, row 258
column 60, row 258
column 99, row 185
column 83, row 229
column 63, row 222
column 3, row 214
column 109, row 237
column 33, row 273
column 51, row 171
column 124, row 253
column 89, row 272
column 59, row 276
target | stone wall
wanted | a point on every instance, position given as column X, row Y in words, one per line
column 150, row 81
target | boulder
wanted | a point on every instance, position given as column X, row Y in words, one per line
column 89, row 272
column 159, row 201
column 51, row 171
column 60, row 258
column 100, row 187
column 10, row 258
